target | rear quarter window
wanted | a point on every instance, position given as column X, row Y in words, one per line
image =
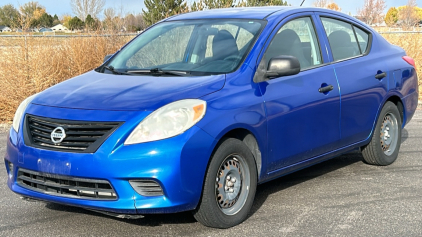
column 363, row 39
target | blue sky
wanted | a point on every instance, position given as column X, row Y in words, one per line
column 61, row 7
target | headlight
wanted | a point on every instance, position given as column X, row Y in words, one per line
column 19, row 112
column 168, row 121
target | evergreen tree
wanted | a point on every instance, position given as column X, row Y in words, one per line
column 46, row 20
column 160, row 9
column 90, row 22
column 56, row 20
column 75, row 23
column 211, row 4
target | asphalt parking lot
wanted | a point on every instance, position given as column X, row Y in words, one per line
column 340, row 197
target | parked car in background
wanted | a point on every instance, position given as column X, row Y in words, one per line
column 43, row 29
column 199, row 109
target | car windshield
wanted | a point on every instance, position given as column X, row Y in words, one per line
column 194, row 47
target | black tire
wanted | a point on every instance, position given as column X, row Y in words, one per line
column 380, row 151
column 210, row 211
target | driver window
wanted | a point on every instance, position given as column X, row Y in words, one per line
column 223, row 44
column 241, row 36
column 296, row 38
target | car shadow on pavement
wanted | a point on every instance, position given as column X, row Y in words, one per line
column 404, row 135
column 149, row 220
column 298, row 177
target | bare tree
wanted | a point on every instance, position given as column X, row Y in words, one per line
column 140, row 21
column 408, row 15
column 372, row 11
column 83, row 8
column 133, row 22
column 320, row 3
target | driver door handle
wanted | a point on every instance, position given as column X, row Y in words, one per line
column 326, row 89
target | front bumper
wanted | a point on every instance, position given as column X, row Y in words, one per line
column 178, row 164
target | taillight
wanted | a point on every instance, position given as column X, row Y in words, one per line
column 409, row 60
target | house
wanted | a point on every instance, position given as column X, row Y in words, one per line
column 5, row 29
column 59, row 27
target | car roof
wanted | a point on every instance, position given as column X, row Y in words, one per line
column 248, row 12
column 257, row 13
column 235, row 12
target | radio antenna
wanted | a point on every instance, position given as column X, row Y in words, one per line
column 302, row 2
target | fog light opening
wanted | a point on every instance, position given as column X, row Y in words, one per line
column 147, row 187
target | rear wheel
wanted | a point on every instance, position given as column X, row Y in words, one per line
column 229, row 187
column 385, row 143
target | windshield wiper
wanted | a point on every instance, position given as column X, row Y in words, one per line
column 158, row 71
column 111, row 69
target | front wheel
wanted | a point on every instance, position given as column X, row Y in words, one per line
column 385, row 143
column 229, row 187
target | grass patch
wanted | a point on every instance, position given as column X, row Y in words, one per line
column 32, row 64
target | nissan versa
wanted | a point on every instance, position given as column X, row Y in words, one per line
column 201, row 107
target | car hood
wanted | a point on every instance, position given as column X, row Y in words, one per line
column 99, row 91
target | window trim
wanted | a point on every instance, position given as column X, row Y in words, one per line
column 370, row 38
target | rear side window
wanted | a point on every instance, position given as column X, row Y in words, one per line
column 346, row 40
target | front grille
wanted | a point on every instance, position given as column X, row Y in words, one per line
column 64, row 186
column 81, row 136
column 146, row 187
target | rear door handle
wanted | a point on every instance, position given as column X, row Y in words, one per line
column 326, row 89
column 380, row 76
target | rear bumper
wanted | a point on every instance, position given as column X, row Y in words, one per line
column 410, row 103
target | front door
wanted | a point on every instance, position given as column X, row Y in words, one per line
column 303, row 120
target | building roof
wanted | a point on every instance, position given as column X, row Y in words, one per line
column 4, row 27
column 59, row 25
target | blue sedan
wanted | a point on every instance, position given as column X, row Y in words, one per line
column 200, row 108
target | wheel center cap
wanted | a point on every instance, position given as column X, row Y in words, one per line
column 229, row 184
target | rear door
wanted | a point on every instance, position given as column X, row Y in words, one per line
column 362, row 76
column 302, row 121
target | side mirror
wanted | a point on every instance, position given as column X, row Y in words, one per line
column 107, row 57
column 282, row 66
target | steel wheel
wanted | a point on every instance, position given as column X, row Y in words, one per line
column 231, row 188
column 389, row 134
column 384, row 146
